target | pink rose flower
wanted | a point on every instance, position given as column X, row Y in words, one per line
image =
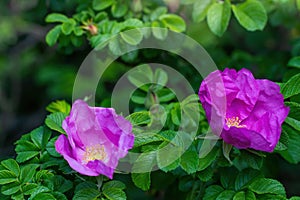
column 253, row 111
column 97, row 139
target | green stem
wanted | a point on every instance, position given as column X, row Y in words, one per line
column 99, row 181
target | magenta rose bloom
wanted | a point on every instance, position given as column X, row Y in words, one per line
column 243, row 111
column 97, row 139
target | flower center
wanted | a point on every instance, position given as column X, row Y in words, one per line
column 94, row 152
column 234, row 121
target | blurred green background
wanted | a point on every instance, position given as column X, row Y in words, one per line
column 32, row 74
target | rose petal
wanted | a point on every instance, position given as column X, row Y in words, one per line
column 63, row 147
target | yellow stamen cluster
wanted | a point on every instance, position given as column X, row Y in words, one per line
column 234, row 121
column 94, row 152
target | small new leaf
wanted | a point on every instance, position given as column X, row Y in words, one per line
column 52, row 35
column 59, row 106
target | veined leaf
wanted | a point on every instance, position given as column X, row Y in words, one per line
column 54, row 121
column 200, row 9
column 294, row 62
column 251, row 14
column 267, row 186
column 291, row 87
column 218, row 16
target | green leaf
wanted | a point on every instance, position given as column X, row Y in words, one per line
column 293, row 123
column 294, row 109
column 61, row 184
column 141, row 170
column 173, row 22
column 27, row 172
column 218, row 16
column 38, row 190
column 226, row 194
column 212, row 192
column 119, row 9
column 140, row 76
column 139, row 118
column 10, row 188
column 141, row 180
column 269, row 197
column 208, row 159
column 169, row 152
column 56, row 17
column 145, row 162
column 43, row 174
column 86, row 194
column 102, row 4
column 294, row 198
column 266, row 185
column 283, row 141
column 251, row 14
column 59, row 106
column 245, row 177
column 239, row 196
column 117, row 46
column 146, row 138
column 51, row 148
column 100, row 41
column 159, row 30
column 54, row 121
column 139, row 97
column 200, row 9
column 78, row 31
column 190, row 161
column 114, row 184
column 59, row 196
column 68, row 27
column 52, row 35
column 114, row 194
column 298, row 4
column 292, row 154
column 44, row 196
column 176, row 114
column 160, row 77
column 11, row 165
column 165, row 95
column 247, row 159
column 28, row 188
column 206, row 175
column 18, row 196
column 250, row 195
column 26, row 150
column 227, row 177
column 7, row 176
column 291, row 87
column 40, row 137
column 132, row 37
column 84, row 185
column 132, row 23
column 294, row 62
column 155, row 14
